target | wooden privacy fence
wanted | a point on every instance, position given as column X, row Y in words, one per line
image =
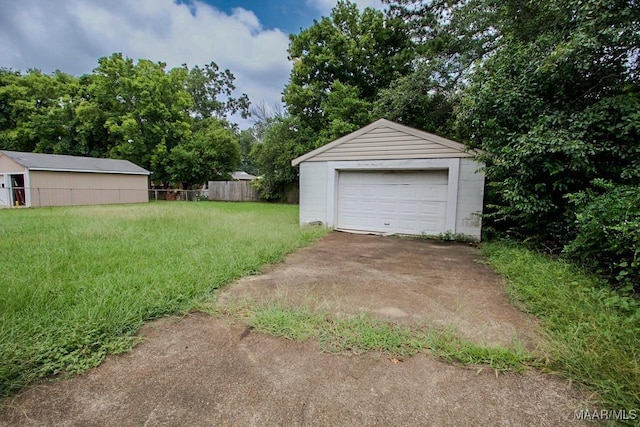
column 233, row 191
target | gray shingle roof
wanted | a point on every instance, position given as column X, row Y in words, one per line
column 56, row 162
column 242, row 175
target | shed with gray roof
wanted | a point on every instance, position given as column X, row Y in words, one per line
column 36, row 179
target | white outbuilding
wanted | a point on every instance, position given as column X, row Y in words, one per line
column 392, row 179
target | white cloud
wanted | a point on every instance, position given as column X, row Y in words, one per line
column 71, row 35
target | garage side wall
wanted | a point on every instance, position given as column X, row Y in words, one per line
column 470, row 198
column 84, row 188
column 313, row 192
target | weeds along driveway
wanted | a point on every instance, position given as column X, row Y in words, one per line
column 215, row 370
column 404, row 280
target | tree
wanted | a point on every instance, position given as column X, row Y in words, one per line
column 138, row 111
column 420, row 100
column 339, row 65
column 206, row 85
column 284, row 140
column 247, row 140
column 345, row 111
column 37, row 109
column 451, row 38
column 141, row 105
column 556, row 107
column 212, row 153
column 262, row 118
column 364, row 51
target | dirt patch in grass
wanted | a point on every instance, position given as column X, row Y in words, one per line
column 407, row 281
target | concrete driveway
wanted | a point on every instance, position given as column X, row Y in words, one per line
column 201, row 370
column 403, row 280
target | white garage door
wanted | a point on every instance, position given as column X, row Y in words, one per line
column 405, row 202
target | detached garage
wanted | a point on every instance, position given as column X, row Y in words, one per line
column 34, row 179
column 392, row 179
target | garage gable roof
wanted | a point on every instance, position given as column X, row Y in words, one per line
column 62, row 163
column 384, row 139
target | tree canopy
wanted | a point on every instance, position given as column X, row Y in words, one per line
column 159, row 118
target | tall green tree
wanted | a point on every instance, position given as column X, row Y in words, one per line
column 37, row 108
column 362, row 50
column 212, row 153
column 284, row 140
column 141, row 105
column 339, row 65
column 451, row 38
column 421, row 99
column 211, row 91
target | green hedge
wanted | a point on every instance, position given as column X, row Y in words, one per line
column 608, row 233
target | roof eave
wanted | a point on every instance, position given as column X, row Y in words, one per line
column 88, row 171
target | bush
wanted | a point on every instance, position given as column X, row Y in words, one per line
column 608, row 233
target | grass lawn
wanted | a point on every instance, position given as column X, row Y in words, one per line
column 77, row 283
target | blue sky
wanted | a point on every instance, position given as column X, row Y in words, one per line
column 250, row 38
column 287, row 15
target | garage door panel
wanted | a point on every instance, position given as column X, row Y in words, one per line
column 432, row 192
column 405, row 208
column 408, row 202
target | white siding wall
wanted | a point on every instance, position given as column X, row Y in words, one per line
column 316, row 204
column 470, row 198
column 313, row 192
column 385, row 143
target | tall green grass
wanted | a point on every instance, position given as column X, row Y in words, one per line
column 593, row 333
column 77, row 283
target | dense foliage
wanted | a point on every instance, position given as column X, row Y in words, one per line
column 555, row 107
column 284, row 140
column 138, row 111
column 608, row 232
